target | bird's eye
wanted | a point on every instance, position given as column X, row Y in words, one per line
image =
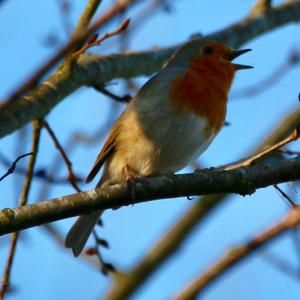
column 207, row 50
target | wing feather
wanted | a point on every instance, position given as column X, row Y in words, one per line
column 107, row 149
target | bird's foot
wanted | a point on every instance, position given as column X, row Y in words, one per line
column 131, row 180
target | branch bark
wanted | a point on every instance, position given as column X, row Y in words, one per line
column 93, row 68
column 241, row 181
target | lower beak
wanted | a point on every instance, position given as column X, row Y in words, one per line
column 234, row 54
column 241, row 67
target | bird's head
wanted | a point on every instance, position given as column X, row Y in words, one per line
column 203, row 52
column 220, row 54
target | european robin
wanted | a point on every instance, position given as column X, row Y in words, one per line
column 171, row 120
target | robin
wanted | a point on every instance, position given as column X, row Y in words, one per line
column 172, row 119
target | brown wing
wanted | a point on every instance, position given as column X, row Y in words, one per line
column 106, row 150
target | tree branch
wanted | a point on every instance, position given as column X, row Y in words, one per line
column 241, row 181
column 74, row 42
column 58, row 146
column 86, row 16
column 13, row 166
column 238, row 254
column 126, row 283
column 23, row 201
column 93, row 68
column 266, row 152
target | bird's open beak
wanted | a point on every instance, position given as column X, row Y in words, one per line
column 234, row 54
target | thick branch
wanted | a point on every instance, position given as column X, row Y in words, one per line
column 241, row 181
column 92, row 68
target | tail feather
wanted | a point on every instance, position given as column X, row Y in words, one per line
column 80, row 232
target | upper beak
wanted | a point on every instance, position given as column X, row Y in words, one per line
column 234, row 54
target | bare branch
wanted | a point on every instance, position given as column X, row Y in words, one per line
column 23, row 201
column 249, row 161
column 96, row 42
column 13, row 166
column 280, row 264
column 104, row 91
column 73, row 43
column 104, row 266
column 86, row 16
column 40, row 173
column 91, row 68
column 71, row 177
column 238, row 254
column 285, row 196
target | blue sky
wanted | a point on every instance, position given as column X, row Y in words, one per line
column 45, row 270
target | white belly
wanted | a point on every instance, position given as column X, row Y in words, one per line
column 166, row 146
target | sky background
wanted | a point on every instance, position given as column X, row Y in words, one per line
column 43, row 269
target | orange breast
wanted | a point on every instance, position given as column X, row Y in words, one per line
column 203, row 89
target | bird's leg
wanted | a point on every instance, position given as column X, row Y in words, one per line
column 130, row 180
column 128, row 173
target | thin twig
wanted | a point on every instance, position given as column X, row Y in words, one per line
column 71, row 177
column 285, row 196
column 75, row 140
column 281, row 264
column 95, row 42
column 20, row 147
column 104, row 91
column 13, row 166
column 40, row 173
column 251, row 160
column 73, row 43
column 289, row 152
column 237, row 254
column 35, row 145
column 104, row 266
column 23, row 201
column 86, row 16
